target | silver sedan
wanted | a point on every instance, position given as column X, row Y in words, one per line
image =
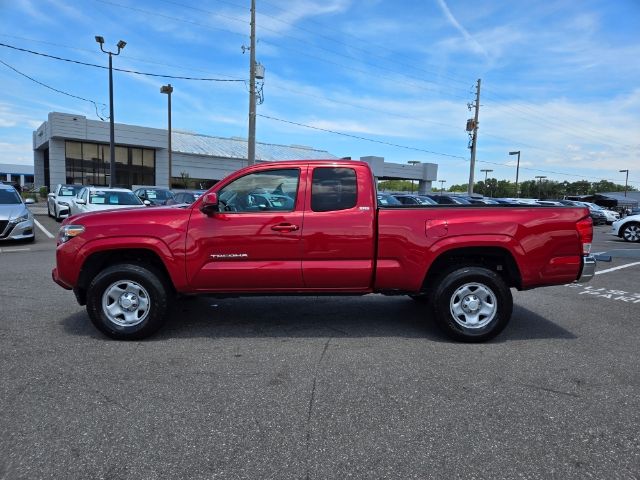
column 16, row 221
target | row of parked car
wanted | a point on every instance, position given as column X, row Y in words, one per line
column 599, row 215
column 66, row 200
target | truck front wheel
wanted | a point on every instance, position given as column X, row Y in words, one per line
column 472, row 304
column 127, row 301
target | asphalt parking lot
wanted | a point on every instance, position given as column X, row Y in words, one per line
column 320, row 387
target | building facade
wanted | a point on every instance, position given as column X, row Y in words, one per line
column 16, row 174
column 73, row 149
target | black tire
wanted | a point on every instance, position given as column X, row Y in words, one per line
column 471, row 304
column 420, row 298
column 141, row 304
column 631, row 232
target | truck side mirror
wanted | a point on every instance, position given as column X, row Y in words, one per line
column 209, row 204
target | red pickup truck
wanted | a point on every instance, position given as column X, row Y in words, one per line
column 315, row 227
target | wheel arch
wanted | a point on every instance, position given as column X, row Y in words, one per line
column 497, row 259
column 98, row 261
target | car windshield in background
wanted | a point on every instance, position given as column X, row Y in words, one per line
column 158, row 194
column 9, row 196
column 113, row 198
column 69, row 190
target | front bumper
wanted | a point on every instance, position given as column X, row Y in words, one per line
column 21, row 231
column 588, row 269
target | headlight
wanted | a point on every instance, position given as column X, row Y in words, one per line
column 64, row 204
column 22, row 218
column 67, row 232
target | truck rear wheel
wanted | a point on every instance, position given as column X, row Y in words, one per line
column 127, row 301
column 472, row 304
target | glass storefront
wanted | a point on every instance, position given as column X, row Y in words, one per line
column 88, row 164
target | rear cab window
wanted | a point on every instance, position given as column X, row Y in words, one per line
column 333, row 189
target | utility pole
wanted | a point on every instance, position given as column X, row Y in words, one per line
column 251, row 151
column 474, row 138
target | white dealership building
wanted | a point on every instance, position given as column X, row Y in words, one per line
column 70, row 148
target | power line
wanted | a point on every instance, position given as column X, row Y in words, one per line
column 54, row 57
column 361, row 138
column 95, row 104
column 422, row 149
column 288, row 47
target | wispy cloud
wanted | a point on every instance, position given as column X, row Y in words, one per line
column 472, row 43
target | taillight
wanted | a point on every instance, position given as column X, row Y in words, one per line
column 585, row 232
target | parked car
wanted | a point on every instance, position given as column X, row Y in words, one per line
column 386, row 199
column 128, row 266
column 407, row 199
column 94, row 199
column 16, row 221
column 59, row 201
column 447, row 199
column 155, row 195
column 610, row 216
column 187, row 197
column 627, row 228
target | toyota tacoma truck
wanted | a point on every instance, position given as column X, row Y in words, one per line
column 316, row 228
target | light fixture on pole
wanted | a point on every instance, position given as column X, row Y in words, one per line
column 486, row 171
column 112, row 149
column 441, row 186
column 517, row 170
column 626, row 180
column 168, row 90
column 540, row 178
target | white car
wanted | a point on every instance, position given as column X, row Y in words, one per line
column 627, row 228
column 610, row 214
column 95, row 199
column 59, row 201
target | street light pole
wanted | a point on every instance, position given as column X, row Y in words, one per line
column 517, row 170
column 112, row 149
column 626, row 181
column 168, row 90
column 441, row 186
column 486, row 171
column 540, row 177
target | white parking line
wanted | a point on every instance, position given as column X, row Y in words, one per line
column 10, row 250
column 46, row 232
column 617, row 268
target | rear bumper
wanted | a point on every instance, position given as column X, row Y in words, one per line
column 588, row 269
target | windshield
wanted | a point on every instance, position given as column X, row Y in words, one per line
column 9, row 197
column 158, row 194
column 113, row 198
column 388, row 200
column 69, row 190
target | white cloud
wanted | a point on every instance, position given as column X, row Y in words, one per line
column 472, row 43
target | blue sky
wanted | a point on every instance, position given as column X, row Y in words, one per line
column 560, row 79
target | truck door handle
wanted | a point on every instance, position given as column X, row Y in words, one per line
column 285, row 227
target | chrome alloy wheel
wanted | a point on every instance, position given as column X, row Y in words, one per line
column 125, row 303
column 632, row 233
column 473, row 305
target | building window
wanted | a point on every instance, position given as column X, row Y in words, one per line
column 89, row 164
